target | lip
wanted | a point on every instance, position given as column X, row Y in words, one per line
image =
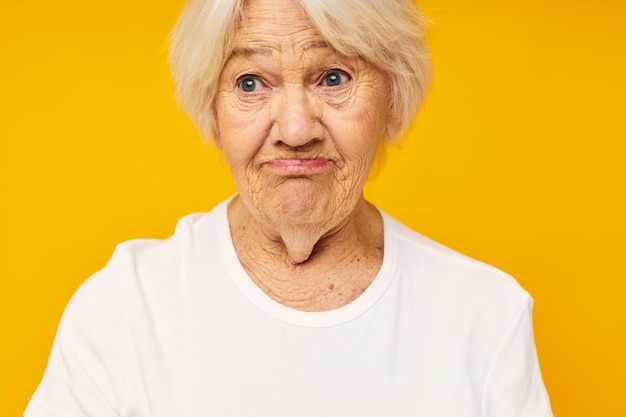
column 297, row 166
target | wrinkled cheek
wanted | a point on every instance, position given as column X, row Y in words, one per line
column 348, row 184
column 250, row 181
column 354, row 175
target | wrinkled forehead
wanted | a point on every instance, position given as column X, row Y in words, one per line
column 276, row 13
column 275, row 24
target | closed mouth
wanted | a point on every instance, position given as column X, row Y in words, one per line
column 297, row 166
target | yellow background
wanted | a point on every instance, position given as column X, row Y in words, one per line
column 517, row 159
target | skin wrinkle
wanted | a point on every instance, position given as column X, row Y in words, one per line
column 301, row 297
column 310, row 240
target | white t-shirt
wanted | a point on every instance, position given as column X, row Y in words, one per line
column 176, row 328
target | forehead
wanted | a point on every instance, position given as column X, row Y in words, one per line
column 275, row 24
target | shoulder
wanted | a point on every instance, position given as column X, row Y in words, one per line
column 138, row 251
column 453, row 281
column 191, row 230
column 138, row 260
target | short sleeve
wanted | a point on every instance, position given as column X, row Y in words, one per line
column 85, row 371
column 514, row 387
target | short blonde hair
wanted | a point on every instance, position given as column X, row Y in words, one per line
column 388, row 34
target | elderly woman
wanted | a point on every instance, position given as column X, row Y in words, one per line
column 296, row 297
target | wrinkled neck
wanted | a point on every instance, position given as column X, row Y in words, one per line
column 297, row 244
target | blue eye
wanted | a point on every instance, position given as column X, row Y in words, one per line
column 249, row 84
column 335, row 77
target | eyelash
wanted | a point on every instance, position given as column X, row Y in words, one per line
column 342, row 74
column 245, row 78
column 343, row 77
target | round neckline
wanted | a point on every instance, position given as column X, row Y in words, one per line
column 295, row 317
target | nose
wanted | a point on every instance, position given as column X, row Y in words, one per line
column 296, row 116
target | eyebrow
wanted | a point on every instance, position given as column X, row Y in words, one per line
column 316, row 45
column 247, row 51
column 250, row 51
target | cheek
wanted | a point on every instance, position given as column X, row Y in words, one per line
column 358, row 130
column 242, row 133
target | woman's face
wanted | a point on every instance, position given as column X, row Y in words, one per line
column 299, row 124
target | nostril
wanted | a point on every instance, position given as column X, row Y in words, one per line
column 295, row 117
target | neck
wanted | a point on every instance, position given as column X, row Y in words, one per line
column 297, row 244
column 309, row 267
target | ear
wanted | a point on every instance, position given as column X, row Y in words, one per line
column 392, row 126
column 216, row 138
column 215, row 134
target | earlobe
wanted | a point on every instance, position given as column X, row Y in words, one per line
column 216, row 139
column 215, row 134
column 392, row 127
